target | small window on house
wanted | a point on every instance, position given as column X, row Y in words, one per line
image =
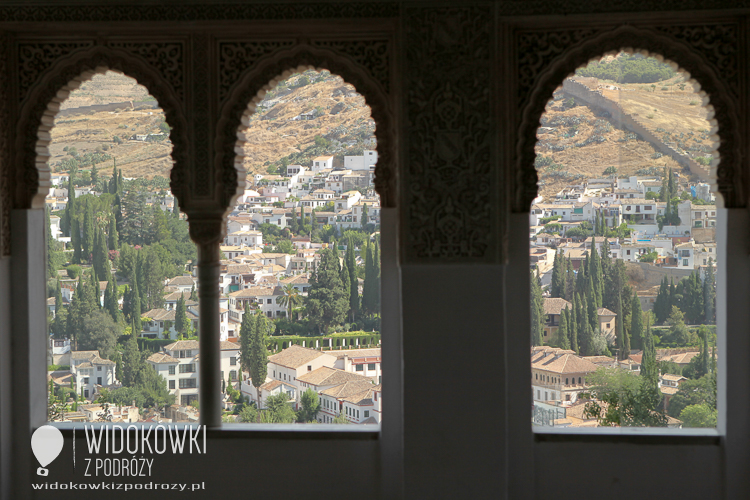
column 371, row 366
column 171, row 369
column 359, row 368
column 171, row 384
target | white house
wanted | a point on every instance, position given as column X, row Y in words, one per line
column 368, row 159
column 244, row 237
column 295, row 361
column 332, row 400
column 91, row 372
column 322, row 162
column 178, row 363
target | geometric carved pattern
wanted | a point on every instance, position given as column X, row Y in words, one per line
column 695, row 49
column 448, row 180
column 201, row 118
column 167, row 57
column 184, row 12
column 35, row 58
column 236, row 57
column 370, row 54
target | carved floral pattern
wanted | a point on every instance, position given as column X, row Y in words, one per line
column 186, row 12
column 450, row 203
column 370, row 54
column 35, row 58
column 236, row 57
column 167, row 57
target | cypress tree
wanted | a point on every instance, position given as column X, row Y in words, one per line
column 75, row 240
column 351, row 262
column 259, row 354
column 181, row 322
column 101, row 257
column 570, row 280
column 346, row 278
column 636, row 324
column 563, row 336
column 113, row 239
column 246, row 338
column 94, row 173
column 112, row 187
column 537, row 312
column 58, row 297
column 110, row 299
column 51, row 268
column 557, row 283
column 368, row 303
column 595, row 274
column 649, row 367
column 573, row 325
column 585, row 333
column 376, row 265
column 89, row 233
column 135, row 303
column 709, row 293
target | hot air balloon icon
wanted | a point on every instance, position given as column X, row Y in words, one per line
column 46, row 443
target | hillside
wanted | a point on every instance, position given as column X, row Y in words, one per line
column 340, row 121
column 579, row 142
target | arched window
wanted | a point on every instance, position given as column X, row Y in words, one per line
column 624, row 155
column 307, row 147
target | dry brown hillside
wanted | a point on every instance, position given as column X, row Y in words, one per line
column 581, row 142
column 341, row 117
column 274, row 138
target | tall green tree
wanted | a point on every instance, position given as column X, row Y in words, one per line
column 259, row 353
column 75, row 240
column 709, row 294
column 89, row 232
column 563, row 340
column 649, row 366
column 327, row 301
column 557, row 283
column 573, row 325
column 353, row 281
column 111, row 299
column 181, row 321
column 113, row 238
column 636, row 324
column 101, row 257
column 537, row 312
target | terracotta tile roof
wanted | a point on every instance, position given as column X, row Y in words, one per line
column 165, row 314
column 84, row 354
column 330, row 376
column 181, row 280
column 294, row 356
column 669, row 391
column 183, row 345
column 162, row 357
column 600, row 360
column 356, row 353
column 363, row 398
column 603, row 311
column 348, row 389
column 555, row 306
column 561, row 361
column 300, row 279
column 674, row 378
column 273, row 384
column 256, row 291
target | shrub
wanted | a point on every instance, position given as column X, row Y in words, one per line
column 693, row 103
column 74, row 271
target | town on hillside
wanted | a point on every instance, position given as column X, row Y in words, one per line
column 299, row 282
column 623, row 263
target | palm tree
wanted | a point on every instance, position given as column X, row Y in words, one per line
column 290, row 298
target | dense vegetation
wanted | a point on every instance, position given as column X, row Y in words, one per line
column 628, row 68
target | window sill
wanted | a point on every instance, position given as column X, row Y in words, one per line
column 635, row 435
column 350, row 432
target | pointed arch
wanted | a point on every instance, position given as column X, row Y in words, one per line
column 726, row 175
column 39, row 109
column 252, row 86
